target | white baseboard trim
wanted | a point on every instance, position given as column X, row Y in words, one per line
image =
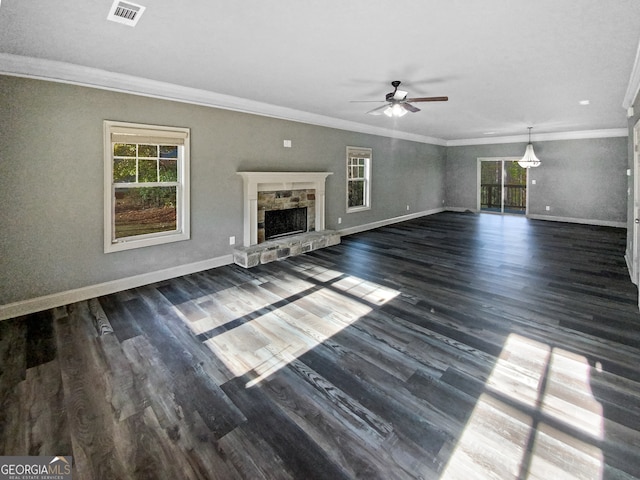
column 32, row 305
column 461, row 209
column 627, row 258
column 25, row 307
column 388, row 221
column 584, row 221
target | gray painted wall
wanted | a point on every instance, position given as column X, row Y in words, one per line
column 51, row 181
column 579, row 179
column 631, row 165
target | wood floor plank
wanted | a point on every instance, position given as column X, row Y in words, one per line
column 91, row 423
column 43, row 410
column 187, row 442
column 205, row 395
column 302, row 457
column 13, row 370
column 350, row 434
column 253, row 456
column 41, row 346
column 451, row 346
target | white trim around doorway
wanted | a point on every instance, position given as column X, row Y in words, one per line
column 479, row 180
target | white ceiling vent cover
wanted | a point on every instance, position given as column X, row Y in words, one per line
column 125, row 12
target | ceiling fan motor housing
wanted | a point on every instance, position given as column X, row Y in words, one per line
column 391, row 96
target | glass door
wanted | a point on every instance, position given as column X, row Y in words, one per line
column 502, row 186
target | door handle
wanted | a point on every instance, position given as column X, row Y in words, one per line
column 637, row 220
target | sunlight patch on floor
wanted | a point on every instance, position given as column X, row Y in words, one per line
column 263, row 345
column 569, row 396
column 232, row 303
column 521, row 427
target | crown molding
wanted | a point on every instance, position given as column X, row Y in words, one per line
column 634, row 82
column 542, row 137
column 54, row 71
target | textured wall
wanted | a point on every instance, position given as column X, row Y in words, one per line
column 51, row 181
column 579, row 179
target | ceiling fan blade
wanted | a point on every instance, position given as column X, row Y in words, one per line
column 400, row 95
column 409, row 107
column 428, row 99
column 377, row 111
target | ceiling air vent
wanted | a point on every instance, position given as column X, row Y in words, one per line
column 125, row 12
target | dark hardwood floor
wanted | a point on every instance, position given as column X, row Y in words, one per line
column 454, row 346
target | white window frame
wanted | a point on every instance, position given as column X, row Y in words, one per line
column 140, row 133
column 367, row 155
column 479, row 184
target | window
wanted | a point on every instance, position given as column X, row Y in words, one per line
column 146, row 185
column 358, row 178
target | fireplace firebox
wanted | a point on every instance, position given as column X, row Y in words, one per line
column 279, row 223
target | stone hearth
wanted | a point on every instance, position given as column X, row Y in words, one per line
column 281, row 190
column 282, row 248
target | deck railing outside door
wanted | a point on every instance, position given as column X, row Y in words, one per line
column 514, row 197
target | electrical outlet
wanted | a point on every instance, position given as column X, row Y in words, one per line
column 407, row 207
column 232, row 240
column 547, row 208
column 287, row 143
column 339, row 220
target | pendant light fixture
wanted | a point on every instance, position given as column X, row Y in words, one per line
column 529, row 160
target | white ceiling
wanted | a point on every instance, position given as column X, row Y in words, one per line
column 505, row 64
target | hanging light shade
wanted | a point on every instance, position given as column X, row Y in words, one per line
column 529, row 160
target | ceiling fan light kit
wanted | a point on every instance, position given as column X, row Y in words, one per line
column 398, row 104
column 395, row 110
column 529, row 160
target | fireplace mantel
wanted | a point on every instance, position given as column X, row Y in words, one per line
column 255, row 182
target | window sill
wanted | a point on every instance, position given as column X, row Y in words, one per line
column 122, row 245
column 357, row 209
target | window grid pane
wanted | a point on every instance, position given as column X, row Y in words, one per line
column 358, row 177
column 169, row 151
column 147, row 171
column 168, row 171
column 357, row 168
column 124, row 170
column 144, row 163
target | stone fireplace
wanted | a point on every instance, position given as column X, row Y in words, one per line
column 284, row 212
column 294, row 202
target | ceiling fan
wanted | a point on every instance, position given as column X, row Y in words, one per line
column 398, row 104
